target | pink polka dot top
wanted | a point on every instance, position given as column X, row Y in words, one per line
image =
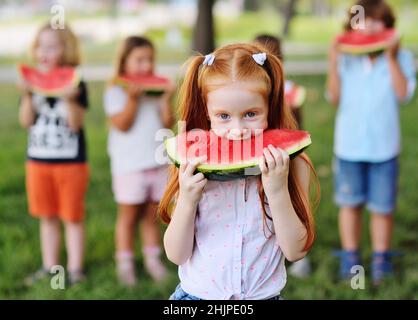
column 235, row 256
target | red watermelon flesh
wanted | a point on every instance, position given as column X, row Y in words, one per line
column 356, row 42
column 51, row 83
column 225, row 156
column 151, row 83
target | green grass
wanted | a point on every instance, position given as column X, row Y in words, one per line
column 19, row 234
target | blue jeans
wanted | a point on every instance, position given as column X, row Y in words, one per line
column 370, row 183
column 180, row 294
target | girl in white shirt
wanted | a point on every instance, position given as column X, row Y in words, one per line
column 230, row 238
column 137, row 178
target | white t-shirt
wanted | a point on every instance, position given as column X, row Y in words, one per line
column 134, row 149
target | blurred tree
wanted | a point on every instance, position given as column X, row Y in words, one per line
column 251, row 5
column 288, row 12
column 204, row 34
column 320, row 7
column 113, row 8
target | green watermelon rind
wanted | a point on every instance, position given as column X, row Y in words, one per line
column 55, row 93
column 353, row 49
column 150, row 90
column 230, row 171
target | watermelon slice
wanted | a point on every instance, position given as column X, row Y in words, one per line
column 52, row 83
column 153, row 85
column 229, row 159
column 294, row 95
column 355, row 42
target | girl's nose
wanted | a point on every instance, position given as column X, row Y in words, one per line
column 238, row 132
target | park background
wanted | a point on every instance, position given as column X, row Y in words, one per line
column 177, row 27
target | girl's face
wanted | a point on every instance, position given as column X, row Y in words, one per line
column 49, row 51
column 373, row 26
column 237, row 109
column 140, row 61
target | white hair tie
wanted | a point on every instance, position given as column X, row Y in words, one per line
column 209, row 58
column 260, row 57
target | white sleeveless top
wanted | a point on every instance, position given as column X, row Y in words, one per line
column 133, row 150
column 234, row 256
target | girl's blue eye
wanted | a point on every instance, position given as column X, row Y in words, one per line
column 250, row 114
column 224, row 116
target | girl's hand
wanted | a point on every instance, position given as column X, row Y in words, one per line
column 191, row 185
column 134, row 91
column 393, row 48
column 333, row 53
column 71, row 93
column 24, row 88
column 169, row 91
column 274, row 166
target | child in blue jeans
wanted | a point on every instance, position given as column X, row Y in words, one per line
column 368, row 90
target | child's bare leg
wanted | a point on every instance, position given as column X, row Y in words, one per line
column 350, row 227
column 151, row 238
column 381, row 228
column 350, row 234
column 74, row 237
column 50, row 229
column 149, row 227
column 126, row 225
column 50, row 241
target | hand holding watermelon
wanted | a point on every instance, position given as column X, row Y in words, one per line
column 393, row 48
column 70, row 93
column 334, row 53
column 191, row 185
column 24, row 87
column 274, row 166
column 169, row 90
column 134, row 90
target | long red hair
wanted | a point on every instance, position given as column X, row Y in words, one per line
column 235, row 63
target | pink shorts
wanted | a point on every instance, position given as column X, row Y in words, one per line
column 141, row 186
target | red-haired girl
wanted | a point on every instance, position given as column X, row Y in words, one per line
column 230, row 238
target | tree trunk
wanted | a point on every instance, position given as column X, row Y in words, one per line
column 319, row 8
column 204, row 35
column 289, row 12
column 113, row 9
column 251, row 5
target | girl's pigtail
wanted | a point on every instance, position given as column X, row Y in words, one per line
column 190, row 96
column 301, row 201
column 190, row 100
column 277, row 105
column 167, row 202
